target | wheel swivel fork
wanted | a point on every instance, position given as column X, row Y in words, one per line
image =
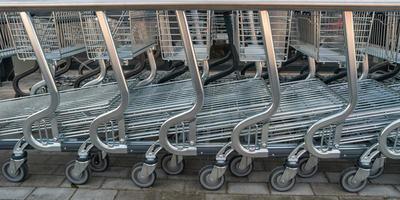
column 82, row 163
column 18, row 157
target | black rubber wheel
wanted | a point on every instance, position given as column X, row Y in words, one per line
column 234, row 167
column 206, row 182
column 99, row 164
column 302, row 172
column 20, row 176
column 276, row 184
column 143, row 182
column 168, row 169
column 346, row 183
column 77, row 180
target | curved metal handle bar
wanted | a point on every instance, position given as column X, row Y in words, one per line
column 311, row 68
column 352, row 91
column 189, row 115
column 117, row 113
column 383, row 140
column 42, row 83
column 153, row 69
column 365, row 68
column 51, row 85
column 100, row 77
column 275, row 92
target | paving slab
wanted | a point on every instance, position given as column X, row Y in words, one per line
column 298, row 189
column 315, row 198
column 88, row 194
column 169, row 185
column 42, row 169
column 259, row 177
column 226, row 197
column 380, row 191
column 195, row 187
column 51, row 194
column 15, row 192
column 322, row 189
column 333, row 177
column 93, row 183
column 360, row 198
column 317, row 178
column 5, row 183
column 43, row 181
column 267, row 197
column 248, row 188
column 137, row 195
column 114, row 172
column 181, row 195
column 387, row 179
column 119, row 184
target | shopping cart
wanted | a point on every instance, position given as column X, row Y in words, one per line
column 60, row 36
column 352, row 131
column 7, row 48
column 318, row 34
column 60, row 123
column 384, row 43
column 278, row 133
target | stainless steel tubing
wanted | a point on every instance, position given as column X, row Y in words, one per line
column 344, row 5
column 275, row 94
column 189, row 115
column 352, row 91
column 54, row 95
column 117, row 113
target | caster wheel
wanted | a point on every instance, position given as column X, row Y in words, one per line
column 74, row 179
column 206, row 182
column 376, row 173
column 20, row 176
column 171, row 170
column 346, row 180
column 276, row 184
column 236, row 171
column 98, row 164
column 303, row 173
column 143, row 182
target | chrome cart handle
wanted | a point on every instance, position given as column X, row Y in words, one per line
column 275, row 93
column 189, row 115
column 117, row 113
column 340, row 117
column 54, row 95
column 383, row 137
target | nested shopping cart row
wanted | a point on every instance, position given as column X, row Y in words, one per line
column 302, row 121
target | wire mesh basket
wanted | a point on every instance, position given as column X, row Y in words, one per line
column 6, row 45
column 59, row 33
column 384, row 41
column 250, row 40
column 171, row 44
column 133, row 33
column 320, row 34
column 219, row 27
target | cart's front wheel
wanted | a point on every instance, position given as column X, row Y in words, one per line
column 19, row 176
column 207, row 182
column 139, row 180
column 77, row 179
column 98, row 163
column 306, row 173
column 236, row 171
column 171, row 168
column 276, row 180
column 347, row 181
